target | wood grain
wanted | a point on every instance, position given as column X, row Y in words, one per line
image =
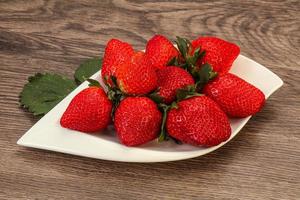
column 262, row 162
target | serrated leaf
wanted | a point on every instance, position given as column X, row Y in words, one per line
column 44, row 91
column 87, row 69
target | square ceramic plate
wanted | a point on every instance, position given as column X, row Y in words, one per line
column 48, row 134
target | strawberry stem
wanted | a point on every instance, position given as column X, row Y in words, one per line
column 163, row 134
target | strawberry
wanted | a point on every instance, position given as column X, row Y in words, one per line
column 137, row 120
column 236, row 97
column 219, row 53
column 89, row 111
column 159, row 51
column 116, row 53
column 136, row 77
column 170, row 79
column 198, row 121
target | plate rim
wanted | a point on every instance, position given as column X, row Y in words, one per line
column 191, row 154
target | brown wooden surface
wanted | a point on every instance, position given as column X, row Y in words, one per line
column 262, row 162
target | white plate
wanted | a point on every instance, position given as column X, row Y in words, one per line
column 48, row 134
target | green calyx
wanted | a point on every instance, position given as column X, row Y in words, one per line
column 181, row 94
column 189, row 55
column 203, row 76
column 114, row 94
column 156, row 97
column 93, row 83
column 202, row 73
column 185, row 92
column 173, row 62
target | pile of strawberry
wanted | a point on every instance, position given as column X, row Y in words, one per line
column 184, row 93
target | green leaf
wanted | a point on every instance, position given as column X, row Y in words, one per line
column 87, row 69
column 44, row 91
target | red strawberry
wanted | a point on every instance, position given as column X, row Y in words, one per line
column 89, row 111
column 159, row 51
column 236, row 97
column 198, row 121
column 219, row 53
column 170, row 79
column 116, row 53
column 136, row 77
column 137, row 120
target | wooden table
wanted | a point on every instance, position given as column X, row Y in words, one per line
column 262, row 162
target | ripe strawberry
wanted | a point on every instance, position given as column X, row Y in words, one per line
column 198, row 121
column 89, row 111
column 170, row 79
column 219, row 53
column 136, row 77
column 137, row 120
column 236, row 97
column 159, row 51
column 116, row 53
